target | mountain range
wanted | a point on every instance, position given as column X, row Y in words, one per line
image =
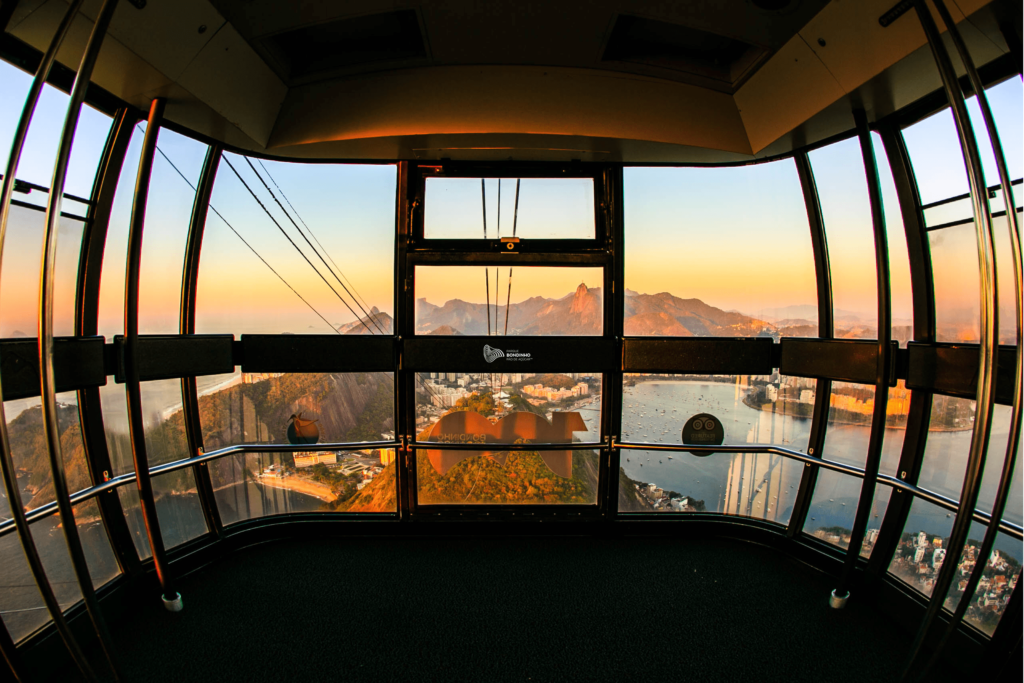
column 578, row 313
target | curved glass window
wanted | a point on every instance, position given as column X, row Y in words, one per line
column 168, row 213
column 900, row 292
column 317, row 257
column 833, row 508
column 40, row 151
column 846, row 209
column 722, row 252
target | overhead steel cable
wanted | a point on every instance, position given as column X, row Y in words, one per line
column 292, row 242
column 318, row 254
column 263, row 260
column 313, row 235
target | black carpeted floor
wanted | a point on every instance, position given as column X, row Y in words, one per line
column 540, row 609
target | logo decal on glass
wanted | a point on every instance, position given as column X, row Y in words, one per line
column 492, row 354
column 703, row 430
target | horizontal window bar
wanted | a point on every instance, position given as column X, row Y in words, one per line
column 952, row 369
column 992, row 189
column 317, row 353
column 844, row 360
column 42, row 209
column 699, row 355
column 508, row 258
column 966, row 221
column 19, row 184
column 77, row 363
column 170, row 356
column 518, row 354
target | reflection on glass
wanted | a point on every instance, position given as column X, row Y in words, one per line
column 720, row 252
column 851, row 408
column 260, row 408
column 922, row 551
column 31, row 455
column 948, row 447
column 502, row 409
column 833, row 508
column 178, row 510
column 21, row 604
column 523, row 301
column 254, row 485
column 752, row 409
column 341, row 217
column 846, row 209
column 529, row 208
column 957, row 298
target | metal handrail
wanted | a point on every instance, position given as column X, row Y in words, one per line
column 43, row 511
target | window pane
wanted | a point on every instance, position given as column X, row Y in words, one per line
column 254, row 485
column 846, row 208
column 258, row 408
column 997, row 583
column 19, row 283
column 535, row 300
column 922, row 550
column 115, row 252
column 168, row 213
column 834, row 508
column 511, row 408
column 347, row 214
column 901, row 295
column 718, row 252
column 954, row 254
column 756, row 410
column 178, row 511
column 40, row 151
column 948, row 447
column 21, row 603
column 851, row 408
column 545, row 208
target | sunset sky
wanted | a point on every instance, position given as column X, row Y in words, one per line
column 736, row 238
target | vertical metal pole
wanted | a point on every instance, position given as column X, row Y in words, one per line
column 823, row 389
column 615, row 309
column 47, row 383
column 923, row 289
column 87, row 295
column 6, row 462
column 405, row 306
column 172, row 600
column 989, row 334
column 187, row 325
column 884, row 360
column 1010, row 458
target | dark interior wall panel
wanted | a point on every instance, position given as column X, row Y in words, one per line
column 170, row 356
column 518, row 354
column 77, row 363
column 952, row 369
column 843, row 360
column 699, row 355
column 317, row 353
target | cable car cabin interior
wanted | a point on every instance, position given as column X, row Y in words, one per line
column 446, row 340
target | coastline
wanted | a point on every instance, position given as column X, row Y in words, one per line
column 300, row 485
